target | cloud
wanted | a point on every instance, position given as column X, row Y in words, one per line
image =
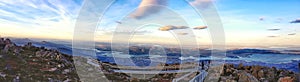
column 200, row 27
column 292, row 34
column 274, row 29
column 170, row 27
column 262, row 18
column 278, row 20
column 40, row 18
column 148, row 7
column 273, row 36
column 182, row 33
column 127, row 33
column 201, row 3
column 296, row 21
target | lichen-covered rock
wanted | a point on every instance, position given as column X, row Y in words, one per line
column 241, row 66
column 260, row 74
column 256, row 73
column 286, row 79
column 243, row 77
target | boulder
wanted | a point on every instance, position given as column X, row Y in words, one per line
column 241, row 66
column 7, row 41
column 28, row 45
column 286, row 79
column 243, row 78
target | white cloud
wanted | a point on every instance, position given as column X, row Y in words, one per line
column 200, row 27
column 170, row 27
column 202, row 3
column 148, row 7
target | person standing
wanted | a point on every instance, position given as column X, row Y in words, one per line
column 202, row 65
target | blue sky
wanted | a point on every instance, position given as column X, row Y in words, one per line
column 55, row 19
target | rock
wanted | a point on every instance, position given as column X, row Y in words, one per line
column 270, row 75
column 241, row 66
column 256, row 68
column 243, row 78
column 247, row 67
column 7, row 41
column 8, row 47
column 18, row 49
column 260, row 74
column 286, row 79
column 3, row 74
column 2, row 41
column 28, row 45
column 229, row 80
column 255, row 74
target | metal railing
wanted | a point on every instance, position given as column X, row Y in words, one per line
column 200, row 77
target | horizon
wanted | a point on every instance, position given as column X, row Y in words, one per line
column 168, row 45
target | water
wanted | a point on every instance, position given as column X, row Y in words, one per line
column 264, row 58
column 272, row 58
column 280, row 61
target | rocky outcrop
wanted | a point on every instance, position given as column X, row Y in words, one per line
column 8, row 45
column 28, row 45
column 7, row 41
column 256, row 73
column 286, row 79
column 34, row 64
column 1, row 40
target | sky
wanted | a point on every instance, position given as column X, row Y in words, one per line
column 245, row 22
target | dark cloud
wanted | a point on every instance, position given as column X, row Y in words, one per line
column 296, row 21
column 119, row 22
column 261, row 18
column 274, row 29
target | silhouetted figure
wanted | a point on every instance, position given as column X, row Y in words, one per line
column 202, row 65
column 209, row 61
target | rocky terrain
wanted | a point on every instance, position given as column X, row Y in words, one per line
column 34, row 64
column 241, row 73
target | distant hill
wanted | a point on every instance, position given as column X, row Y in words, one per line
column 46, row 44
column 253, row 51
